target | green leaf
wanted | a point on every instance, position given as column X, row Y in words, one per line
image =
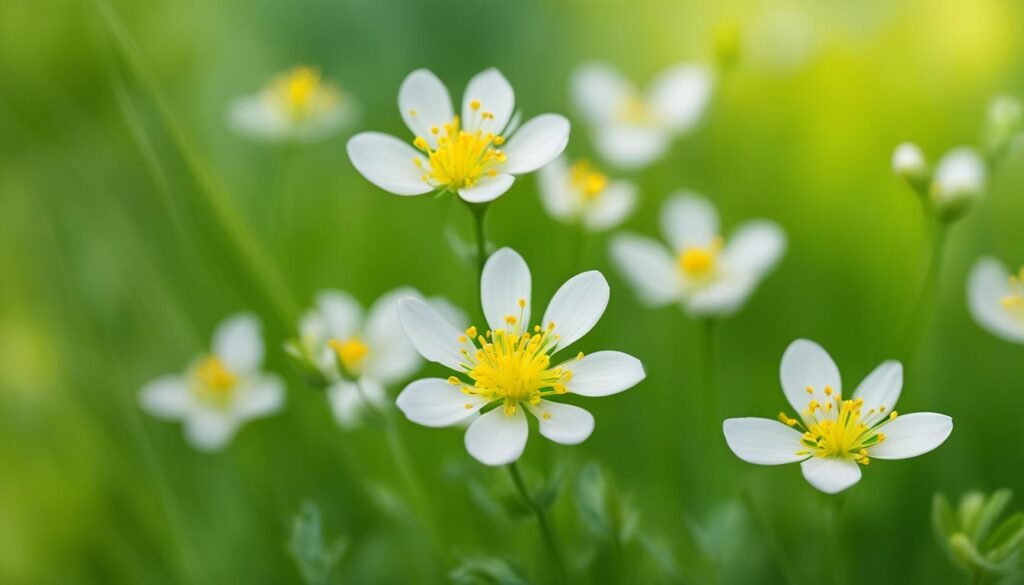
column 548, row 494
column 474, row 571
column 944, row 521
column 994, row 508
column 316, row 561
column 1005, row 542
column 591, row 492
column 969, row 512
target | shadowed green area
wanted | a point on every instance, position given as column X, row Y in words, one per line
column 130, row 227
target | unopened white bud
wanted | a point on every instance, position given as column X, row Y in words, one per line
column 959, row 181
column 908, row 162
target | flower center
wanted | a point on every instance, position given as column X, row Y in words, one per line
column 297, row 90
column 463, row 155
column 700, row 262
column 351, row 353
column 836, row 428
column 587, row 180
column 513, row 365
column 1014, row 302
column 214, row 381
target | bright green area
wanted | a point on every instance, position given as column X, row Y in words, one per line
column 116, row 262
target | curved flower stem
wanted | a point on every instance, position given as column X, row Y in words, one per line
column 479, row 211
column 920, row 316
column 550, row 543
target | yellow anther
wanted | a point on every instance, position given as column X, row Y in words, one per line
column 421, row 143
column 471, row 332
column 469, row 406
column 893, row 415
column 828, row 390
column 412, row 112
column 547, row 415
column 510, row 319
column 454, row 381
column 474, row 105
column 350, row 352
column 809, row 389
column 587, row 181
column 214, row 375
column 522, row 303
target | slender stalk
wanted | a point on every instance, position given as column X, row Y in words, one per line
column 834, row 539
column 479, row 211
column 550, row 543
column 920, row 316
column 778, row 552
column 709, row 343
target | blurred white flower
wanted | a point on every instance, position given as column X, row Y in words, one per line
column 1004, row 125
column 959, row 181
column 996, row 299
column 580, row 194
column 510, row 366
column 297, row 106
column 908, row 162
column 461, row 154
column 360, row 354
column 707, row 275
column 631, row 129
column 833, row 437
column 221, row 390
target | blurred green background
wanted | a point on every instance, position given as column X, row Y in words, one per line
column 116, row 267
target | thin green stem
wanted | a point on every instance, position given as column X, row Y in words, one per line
column 927, row 298
column 479, row 211
column 778, row 552
column 834, row 539
column 709, row 342
column 550, row 542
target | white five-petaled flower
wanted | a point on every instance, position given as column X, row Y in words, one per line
column 360, row 354
column 708, row 276
column 832, row 437
column 297, row 106
column 630, row 129
column 510, row 368
column 581, row 194
column 221, row 390
column 996, row 299
column 476, row 155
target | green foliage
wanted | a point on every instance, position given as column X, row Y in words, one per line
column 974, row 537
column 316, row 560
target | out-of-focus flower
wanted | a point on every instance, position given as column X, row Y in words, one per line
column 974, row 538
column 510, row 367
column 297, row 106
column 220, row 391
column 632, row 129
column 908, row 162
column 959, row 181
column 996, row 299
column 581, row 194
column 832, row 437
column 357, row 354
column 700, row 270
column 1003, row 126
column 462, row 154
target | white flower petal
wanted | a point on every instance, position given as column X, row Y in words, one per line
column 563, row 423
column 451, row 313
column 256, row 117
column 687, row 220
column 680, row 95
column 260, row 397
column 387, row 162
column 722, row 297
column 577, row 306
column 167, row 397
column 754, row 248
column 830, row 475
column 497, row 438
column 536, row 143
column 987, row 286
column 909, row 161
column 604, row 373
column 959, row 175
column 487, row 189
column 208, row 430
column 612, row 206
column 436, row 339
column 424, row 103
column 341, row 314
column 505, row 281
column 239, row 342
column 495, row 95
column 391, row 357
column 651, row 270
column 880, row 391
column 556, row 194
column 763, row 441
column 434, row 402
column 598, row 92
column 349, row 399
column 806, row 364
column 910, row 435
column 631, row 147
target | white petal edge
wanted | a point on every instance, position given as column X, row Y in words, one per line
column 805, row 363
column 210, row 431
column 687, row 220
column 487, row 189
column 536, row 143
column 497, row 438
column 392, row 357
column 598, row 91
column 341, row 314
column 631, row 147
column 754, row 248
column 167, row 397
column 680, row 95
column 504, row 282
column 577, row 306
column 262, row 397
column 495, row 94
column 387, row 162
column 987, row 286
column 556, row 193
column 612, row 207
column 648, row 267
column 434, row 337
column 830, row 475
column 238, row 341
column 424, row 103
column 763, row 441
column 604, row 373
column 563, row 423
column 880, row 390
column 434, row 402
column 910, row 435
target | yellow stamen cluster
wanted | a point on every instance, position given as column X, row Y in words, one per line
column 214, row 381
column 587, row 180
column 700, row 262
column 463, row 155
column 1014, row 302
column 836, row 428
column 300, row 89
column 513, row 365
column 634, row 110
column 351, row 353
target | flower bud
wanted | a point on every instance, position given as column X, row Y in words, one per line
column 908, row 162
column 959, row 181
column 1003, row 125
